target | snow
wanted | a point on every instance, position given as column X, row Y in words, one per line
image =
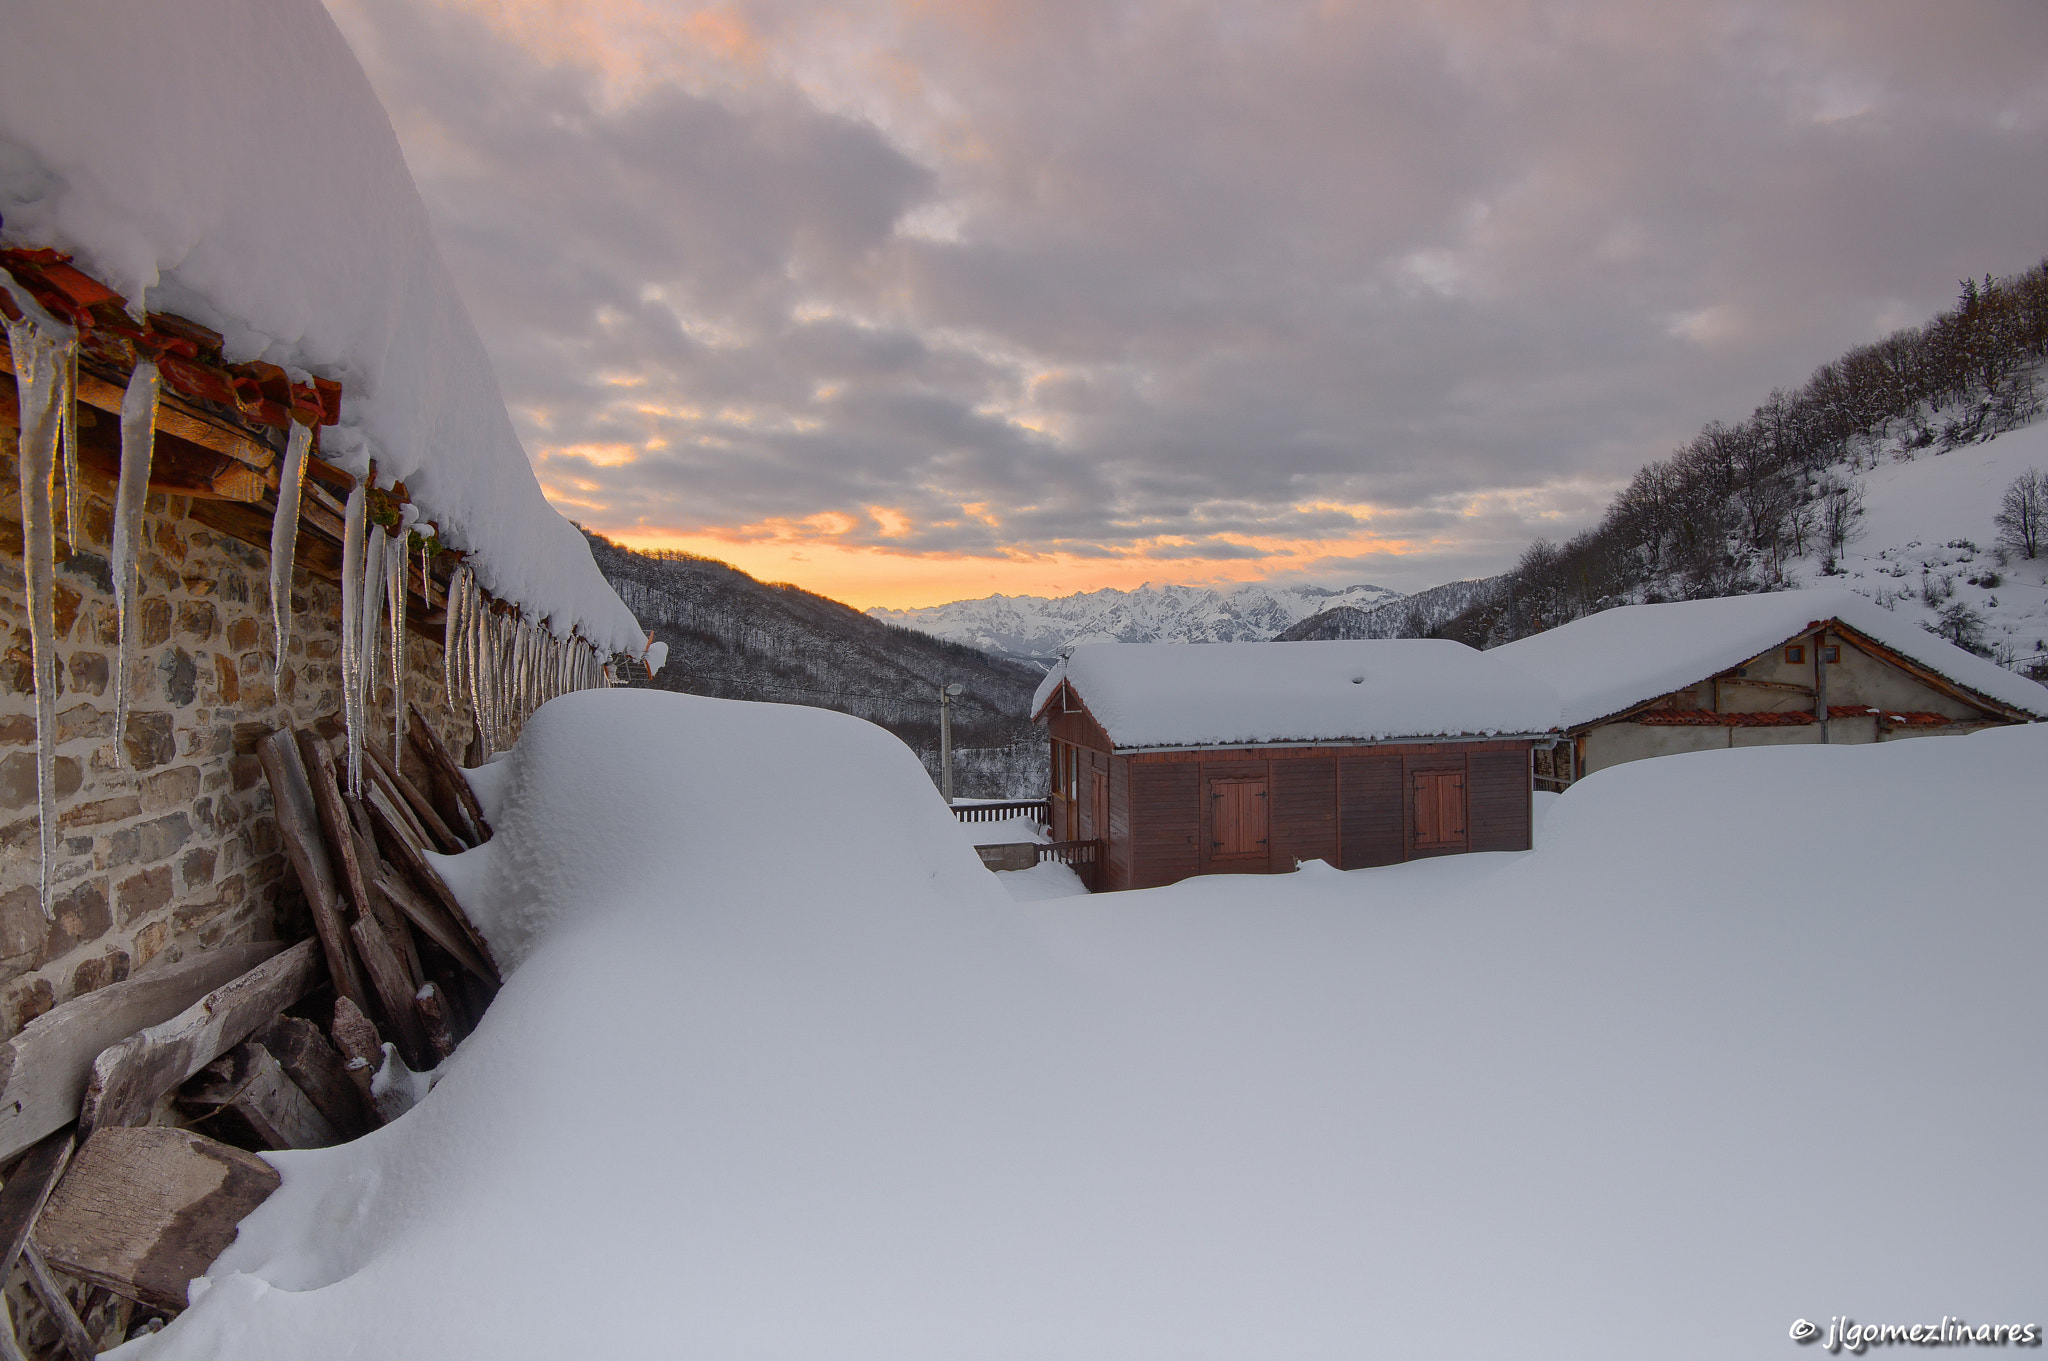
column 1610, row 661
column 227, row 160
column 1928, row 539
column 1039, row 627
column 1629, row 1089
column 1217, row 694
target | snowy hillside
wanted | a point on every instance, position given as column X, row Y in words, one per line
column 1927, row 542
column 1624, row 1092
column 1038, row 627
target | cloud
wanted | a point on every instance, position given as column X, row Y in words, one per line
column 1053, row 278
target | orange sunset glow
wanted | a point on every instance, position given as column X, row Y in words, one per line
column 865, row 577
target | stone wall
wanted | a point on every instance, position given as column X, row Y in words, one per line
column 166, row 843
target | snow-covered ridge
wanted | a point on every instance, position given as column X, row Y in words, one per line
column 227, row 161
column 1041, row 626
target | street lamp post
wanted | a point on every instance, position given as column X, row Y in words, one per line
column 946, row 693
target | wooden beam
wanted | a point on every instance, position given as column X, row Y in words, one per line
column 316, row 1069
column 360, row 1046
column 334, row 821
column 423, row 814
column 174, row 416
column 248, row 1088
column 1931, row 679
column 428, row 743
column 145, row 1210
column 434, row 1020
column 129, row 1078
column 71, row 1334
column 435, row 923
column 43, row 1070
column 424, row 877
column 395, row 990
column 27, row 1190
column 298, row 824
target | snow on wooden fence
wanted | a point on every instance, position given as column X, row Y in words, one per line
column 1040, row 809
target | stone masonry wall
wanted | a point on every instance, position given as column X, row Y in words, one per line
column 166, row 841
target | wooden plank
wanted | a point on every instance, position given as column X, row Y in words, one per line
column 1369, row 811
column 433, row 1011
column 144, row 1210
column 316, row 1069
column 390, row 921
column 129, row 1077
column 387, row 800
column 428, row 743
column 27, row 1191
column 71, row 1334
column 335, row 820
column 438, row 832
column 247, row 1088
column 175, row 415
column 298, row 823
column 394, row 990
column 434, row 922
column 423, row 877
column 362, row 1053
column 43, row 1070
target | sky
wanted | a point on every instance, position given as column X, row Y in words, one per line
column 909, row 301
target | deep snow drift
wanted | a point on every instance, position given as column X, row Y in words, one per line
column 1751, row 1036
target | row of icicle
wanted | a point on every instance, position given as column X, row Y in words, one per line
column 496, row 664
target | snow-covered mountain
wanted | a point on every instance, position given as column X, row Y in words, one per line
column 1415, row 616
column 1038, row 627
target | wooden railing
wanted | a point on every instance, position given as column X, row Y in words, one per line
column 1085, row 858
column 1003, row 812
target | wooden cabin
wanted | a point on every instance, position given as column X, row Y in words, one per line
column 1757, row 670
column 1249, row 758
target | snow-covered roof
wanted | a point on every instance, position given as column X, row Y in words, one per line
column 1225, row 694
column 1608, row 662
column 227, row 161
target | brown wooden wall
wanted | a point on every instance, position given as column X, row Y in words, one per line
column 1351, row 806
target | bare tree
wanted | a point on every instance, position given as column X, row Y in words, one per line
column 1841, row 504
column 2023, row 513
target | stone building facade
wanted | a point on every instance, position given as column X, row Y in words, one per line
column 166, row 843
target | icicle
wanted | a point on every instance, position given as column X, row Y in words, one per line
column 138, row 443
column 395, row 592
column 513, row 714
column 375, row 544
column 451, row 647
column 352, row 552
column 68, row 407
column 41, row 353
column 284, row 538
column 481, row 654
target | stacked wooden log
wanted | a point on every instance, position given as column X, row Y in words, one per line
column 109, row 1207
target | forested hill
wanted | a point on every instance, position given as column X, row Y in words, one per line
column 1776, row 500
column 733, row 637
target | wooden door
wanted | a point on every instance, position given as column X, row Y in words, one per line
column 1098, row 805
column 1238, row 819
column 1439, row 809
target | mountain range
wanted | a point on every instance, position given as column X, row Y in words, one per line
column 1035, row 628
